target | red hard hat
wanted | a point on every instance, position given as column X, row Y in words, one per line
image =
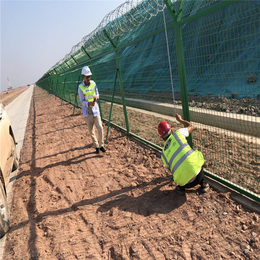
column 163, row 128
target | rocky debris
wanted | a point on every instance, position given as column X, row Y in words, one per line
column 233, row 104
column 245, row 106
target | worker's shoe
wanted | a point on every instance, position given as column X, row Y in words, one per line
column 102, row 149
column 180, row 189
column 97, row 150
column 204, row 187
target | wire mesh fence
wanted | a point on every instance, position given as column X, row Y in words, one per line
column 214, row 52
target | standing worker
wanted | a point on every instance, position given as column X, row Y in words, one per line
column 185, row 164
column 88, row 95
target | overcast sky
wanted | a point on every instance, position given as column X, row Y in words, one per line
column 35, row 35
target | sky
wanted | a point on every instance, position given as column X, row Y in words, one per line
column 36, row 34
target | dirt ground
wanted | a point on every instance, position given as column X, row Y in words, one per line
column 70, row 203
column 6, row 97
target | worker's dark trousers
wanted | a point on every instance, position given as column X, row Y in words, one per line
column 200, row 179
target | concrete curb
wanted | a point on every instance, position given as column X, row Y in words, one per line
column 243, row 124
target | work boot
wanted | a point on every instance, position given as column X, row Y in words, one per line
column 180, row 189
column 204, row 187
column 97, row 150
column 102, row 149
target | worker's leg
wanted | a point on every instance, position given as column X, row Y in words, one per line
column 200, row 179
column 90, row 124
column 98, row 124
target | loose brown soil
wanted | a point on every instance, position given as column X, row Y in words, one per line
column 6, row 97
column 70, row 203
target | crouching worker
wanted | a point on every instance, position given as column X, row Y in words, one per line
column 185, row 164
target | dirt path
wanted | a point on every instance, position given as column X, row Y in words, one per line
column 69, row 203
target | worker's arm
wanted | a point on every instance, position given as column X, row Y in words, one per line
column 185, row 123
column 96, row 96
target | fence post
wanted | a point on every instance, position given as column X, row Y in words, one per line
column 74, row 59
column 56, row 88
column 59, row 87
column 67, row 64
column 50, row 87
column 76, row 94
column 120, row 80
column 181, row 64
column 63, row 90
column 112, row 101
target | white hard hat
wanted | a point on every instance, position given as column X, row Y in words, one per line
column 86, row 71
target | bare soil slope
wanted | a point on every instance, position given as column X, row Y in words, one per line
column 70, row 203
column 6, row 97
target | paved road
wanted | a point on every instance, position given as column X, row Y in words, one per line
column 18, row 112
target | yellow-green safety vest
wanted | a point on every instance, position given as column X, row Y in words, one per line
column 181, row 159
column 89, row 91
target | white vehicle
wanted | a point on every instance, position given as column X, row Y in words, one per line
column 8, row 163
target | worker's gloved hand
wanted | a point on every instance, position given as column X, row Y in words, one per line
column 91, row 104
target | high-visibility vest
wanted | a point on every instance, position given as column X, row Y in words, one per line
column 89, row 91
column 183, row 162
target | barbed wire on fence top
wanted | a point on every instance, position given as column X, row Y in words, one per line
column 97, row 39
column 123, row 19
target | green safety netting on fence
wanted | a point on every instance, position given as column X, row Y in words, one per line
column 214, row 52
